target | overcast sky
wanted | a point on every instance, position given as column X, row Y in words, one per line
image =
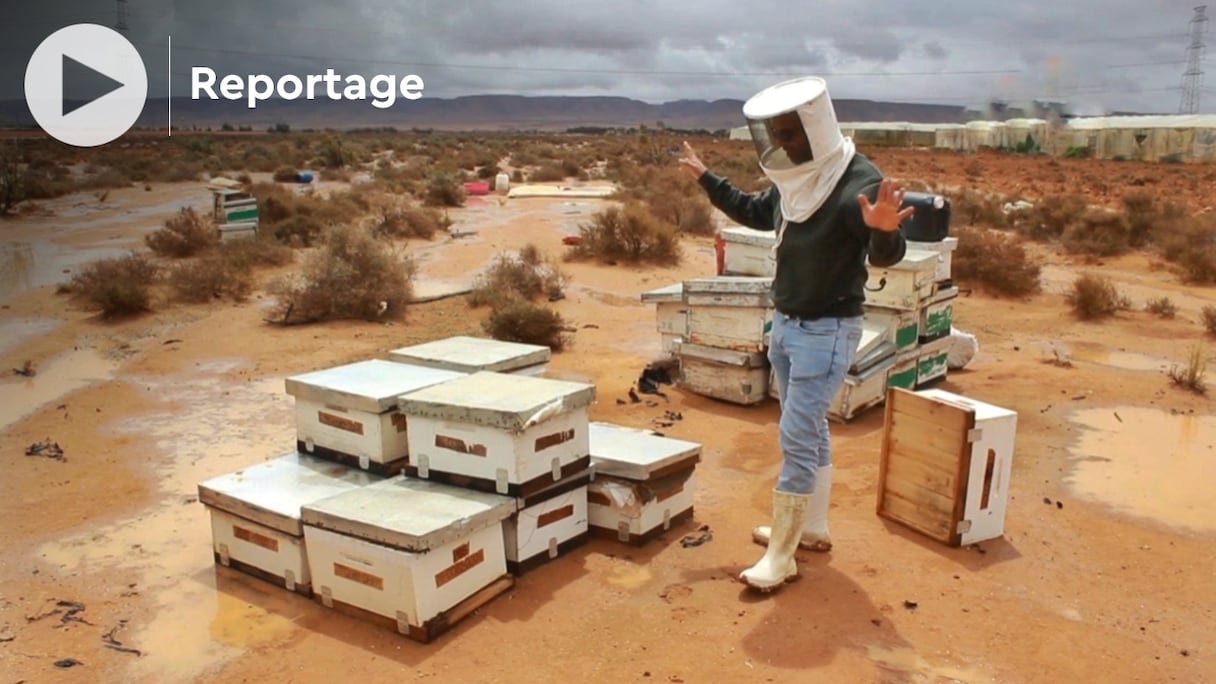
column 1098, row 55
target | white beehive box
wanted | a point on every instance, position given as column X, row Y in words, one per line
column 937, row 316
column 349, row 413
column 547, row 524
column 410, row 554
column 946, row 465
column 671, row 314
column 255, row 514
column 901, row 328
column 236, row 231
column 468, row 354
column 749, row 252
column 906, row 285
column 903, row 373
column 945, row 253
column 729, row 312
column 736, row 376
column 860, row 391
column 644, row 483
column 509, row 434
column 932, row 361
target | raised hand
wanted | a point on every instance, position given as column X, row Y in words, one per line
column 885, row 214
column 692, row 162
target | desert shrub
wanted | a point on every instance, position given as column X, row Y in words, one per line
column 185, row 234
column 302, row 230
column 1208, row 317
column 353, row 276
column 1162, row 306
column 1140, row 206
column 1077, row 152
column 998, row 262
column 526, row 276
column 1190, row 244
column 1097, row 232
column 210, row 276
column 547, row 173
column 528, row 323
column 976, row 208
column 1093, row 297
column 284, row 174
column 259, row 251
column 444, row 189
column 117, row 286
column 1190, row 376
column 1052, row 215
column 419, row 222
column 631, row 234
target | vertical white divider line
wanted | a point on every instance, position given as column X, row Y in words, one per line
column 170, row 98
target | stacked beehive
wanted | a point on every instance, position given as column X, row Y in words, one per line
column 711, row 323
column 422, row 486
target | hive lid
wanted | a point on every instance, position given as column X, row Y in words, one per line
column 371, row 385
column 719, row 355
column 271, row 493
column 669, row 293
column 754, row 285
column 408, row 513
column 750, row 236
column 914, row 260
column 470, row 354
column 636, row 454
column 499, row 400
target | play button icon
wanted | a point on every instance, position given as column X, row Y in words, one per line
column 85, row 85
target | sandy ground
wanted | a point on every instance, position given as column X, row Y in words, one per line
column 1106, row 570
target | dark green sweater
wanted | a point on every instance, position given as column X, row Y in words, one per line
column 821, row 262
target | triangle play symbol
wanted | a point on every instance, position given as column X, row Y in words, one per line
column 81, row 79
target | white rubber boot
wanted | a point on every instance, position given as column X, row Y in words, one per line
column 778, row 564
column 815, row 535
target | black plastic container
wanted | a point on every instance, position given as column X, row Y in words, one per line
column 931, row 221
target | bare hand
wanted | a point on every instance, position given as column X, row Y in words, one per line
column 885, row 214
column 692, row 162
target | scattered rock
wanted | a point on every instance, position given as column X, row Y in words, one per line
column 910, row 605
column 6, row 634
column 67, row 662
column 621, row 402
column 633, row 396
column 1047, row 501
column 1059, row 504
column 1184, row 652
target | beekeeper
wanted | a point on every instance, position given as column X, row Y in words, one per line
column 831, row 208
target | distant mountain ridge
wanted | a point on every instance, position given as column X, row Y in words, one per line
column 488, row 112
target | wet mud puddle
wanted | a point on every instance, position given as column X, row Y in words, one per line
column 1147, row 462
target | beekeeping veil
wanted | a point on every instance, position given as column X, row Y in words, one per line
column 799, row 143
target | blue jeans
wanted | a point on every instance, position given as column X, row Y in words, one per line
column 810, row 359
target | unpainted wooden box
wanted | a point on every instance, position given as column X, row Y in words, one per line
column 729, row 312
column 467, row 354
column 945, row 252
column 644, row 483
column 547, row 524
column 412, row 555
column 906, row 285
column 749, row 252
column 736, row 376
column 946, row 465
column 255, row 514
column 509, row 434
column 349, row 413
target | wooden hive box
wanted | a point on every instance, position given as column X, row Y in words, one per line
column 467, row 354
column 736, row 376
column 861, row 390
column 944, row 249
column 932, row 361
column 509, row 434
column 255, row 514
column 749, row 252
column 411, row 555
column 671, row 314
column 349, row 413
column 547, row 524
column 729, row 312
column 906, row 285
column 643, row 484
column 937, row 316
column 946, row 464
column 900, row 328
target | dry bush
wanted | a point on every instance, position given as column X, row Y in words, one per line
column 300, row 220
column 184, row 235
column 547, row 173
column 976, row 208
column 394, row 217
column 1162, row 306
column 1098, row 232
column 671, row 195
column 528, row 323
column 1095, row 297
column 998, row 262
column 1208, row 317
column 117, row 286
column 1191, row 246
column 210, row 276
column 631, row 234
column 527, row 276
column 444, row 189
column 284, row 174
column 260, row 250
column 1190, row 377
column 1051, row 216
column 353, row 276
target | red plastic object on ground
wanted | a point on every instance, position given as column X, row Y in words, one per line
column 477, row 188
